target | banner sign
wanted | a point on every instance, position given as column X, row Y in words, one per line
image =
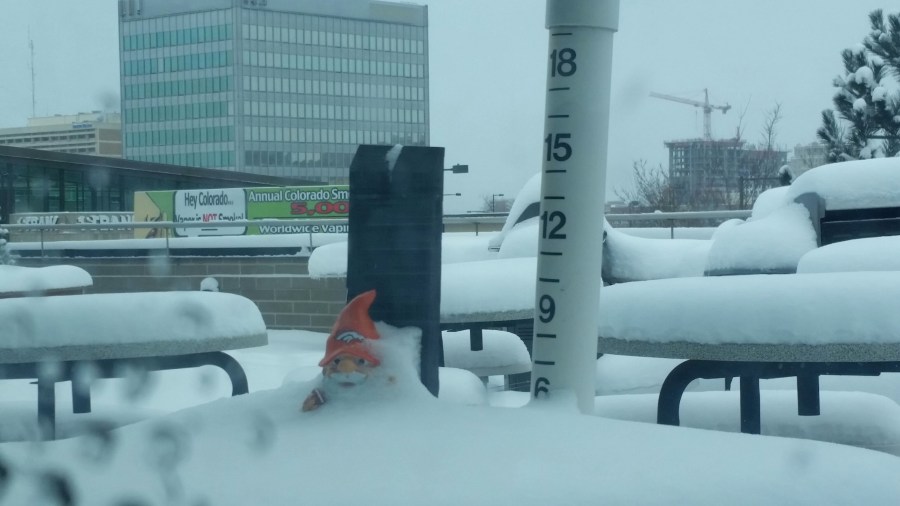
column 238, row 204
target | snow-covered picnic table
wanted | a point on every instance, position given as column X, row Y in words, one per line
column 756, row 327
column 487, row 294
column 81, row 337
column 16, row 281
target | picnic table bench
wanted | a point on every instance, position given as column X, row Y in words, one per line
column 467, row 304
column 81, row 337
column 756, row 327
column 18, row 281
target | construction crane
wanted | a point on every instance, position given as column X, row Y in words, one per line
column 705, row 105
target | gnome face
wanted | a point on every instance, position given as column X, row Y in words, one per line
column 347, row 370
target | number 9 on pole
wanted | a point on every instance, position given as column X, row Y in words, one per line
column 547, row 307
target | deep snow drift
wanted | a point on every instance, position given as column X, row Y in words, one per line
column 391, row 443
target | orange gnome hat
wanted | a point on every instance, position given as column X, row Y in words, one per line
column 351, row 330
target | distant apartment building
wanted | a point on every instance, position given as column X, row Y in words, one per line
column 94, row 133
column 711, row 174
column 807, row 156
column 275, row 87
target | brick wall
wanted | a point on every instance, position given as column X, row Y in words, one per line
column 280, row 286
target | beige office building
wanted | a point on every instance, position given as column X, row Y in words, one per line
column 93, row 133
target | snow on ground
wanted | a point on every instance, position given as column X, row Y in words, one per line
column 411, row 449
column 839, row 421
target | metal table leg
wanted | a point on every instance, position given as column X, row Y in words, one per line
column 669, row 402
column 750, row 418
column 47, row 408
column 808, row 403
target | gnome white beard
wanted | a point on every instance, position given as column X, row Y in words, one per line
column 346, row 379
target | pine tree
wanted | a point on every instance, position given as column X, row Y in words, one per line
column 865, row 122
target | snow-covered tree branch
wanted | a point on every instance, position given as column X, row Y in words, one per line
column 865, row 121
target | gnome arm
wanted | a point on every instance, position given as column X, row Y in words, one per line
column 315, row 399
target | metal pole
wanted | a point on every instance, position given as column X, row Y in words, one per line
column 576, row 131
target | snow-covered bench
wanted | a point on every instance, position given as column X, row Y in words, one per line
column 80, row 337
column 502, row 354
column 486, row 294
column 756, row 327
column 16, row 281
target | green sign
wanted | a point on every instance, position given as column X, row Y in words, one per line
column 240, row 204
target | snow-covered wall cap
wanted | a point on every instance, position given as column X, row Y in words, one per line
column 769, row 201
column 859, row 184
column 529, row 194
column 593, row 13
column 773, row 244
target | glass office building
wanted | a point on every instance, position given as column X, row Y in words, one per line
column 40, row 181
column 279, row 87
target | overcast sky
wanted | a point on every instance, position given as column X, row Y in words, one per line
column 487, row 74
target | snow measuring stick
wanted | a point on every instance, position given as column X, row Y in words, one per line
column 576, row 128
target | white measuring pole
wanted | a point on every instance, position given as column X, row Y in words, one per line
column 576, row 131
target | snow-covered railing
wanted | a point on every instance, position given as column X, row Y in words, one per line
column 166, row 226
column 672, row 217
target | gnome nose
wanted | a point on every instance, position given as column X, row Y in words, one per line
column 346, row 365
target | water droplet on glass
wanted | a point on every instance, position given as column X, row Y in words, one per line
column 98, row 443
column 55, row 490
column 262, row 433
column 137, row 383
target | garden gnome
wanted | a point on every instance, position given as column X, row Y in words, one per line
column 348, row 359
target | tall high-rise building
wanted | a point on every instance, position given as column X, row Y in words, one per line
column 277, row 87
